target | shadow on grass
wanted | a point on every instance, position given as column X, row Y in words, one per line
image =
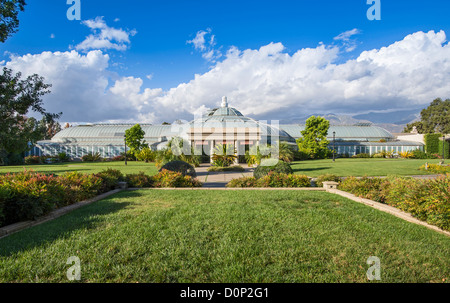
column 309, row 169
column 87, row 217
column 47, row 172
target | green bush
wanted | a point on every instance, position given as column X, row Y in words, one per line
column 91, row 157
column 300, row 155
column 167, row 178
column 110, row 178
column 366, row 187
column 326, row 177
column 33, row 160
column 237, row 168
column 139, row 180
column 180, row 166
column 146, row 154
column 242, row 182
column 63, row 157
column 426, row 199
column 361, row 155
column 272, row 165
column 273, row 179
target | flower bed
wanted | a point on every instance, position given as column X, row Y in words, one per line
column 436, row 168
column 426, row 199
column 29, row 195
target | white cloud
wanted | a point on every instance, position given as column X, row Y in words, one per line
column 345, row 36
column 264, row 83
column 272, row 83
column 52, row 36
column 105, row 37
column 348, row 44
column 206, row 46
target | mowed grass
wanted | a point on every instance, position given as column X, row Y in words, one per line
column 84, row 167
column 362, row 167
column 225, row 236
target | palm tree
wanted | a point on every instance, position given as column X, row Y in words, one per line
column 285, row 152
column 223, row 155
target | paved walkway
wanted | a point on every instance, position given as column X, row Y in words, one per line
column 220, row 179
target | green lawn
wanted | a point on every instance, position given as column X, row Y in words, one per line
column 361, row 167
column 84, row 167
column 225, row 236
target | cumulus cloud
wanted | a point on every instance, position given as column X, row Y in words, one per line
column 83, row 88
column 266, row 83
column 105, row 37
column 269, row 82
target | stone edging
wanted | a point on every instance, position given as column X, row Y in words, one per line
column 388, row 209
column 13, row 228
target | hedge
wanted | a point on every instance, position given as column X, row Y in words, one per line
column 432, row 143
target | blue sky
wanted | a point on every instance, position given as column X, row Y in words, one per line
column 159, row 55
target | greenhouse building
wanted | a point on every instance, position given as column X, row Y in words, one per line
column 220, row 125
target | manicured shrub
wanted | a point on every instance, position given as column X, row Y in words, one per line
column 272, row 165
column 432, row 143
column 180, row 166
column 237, row 168
column 273, row 179
column 139, row 180
column 242, row 182
column 326, row 177
column 166, row 178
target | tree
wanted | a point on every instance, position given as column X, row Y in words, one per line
column 314, row 141
column 17, row 97
column 433, row 119
column 285, row 152
column 223, row 155
column 409, row 127
column 9, row 21
column 134, row 139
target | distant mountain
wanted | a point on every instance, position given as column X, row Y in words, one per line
column 393, row 122
column 333, row 118
column 398, row 117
